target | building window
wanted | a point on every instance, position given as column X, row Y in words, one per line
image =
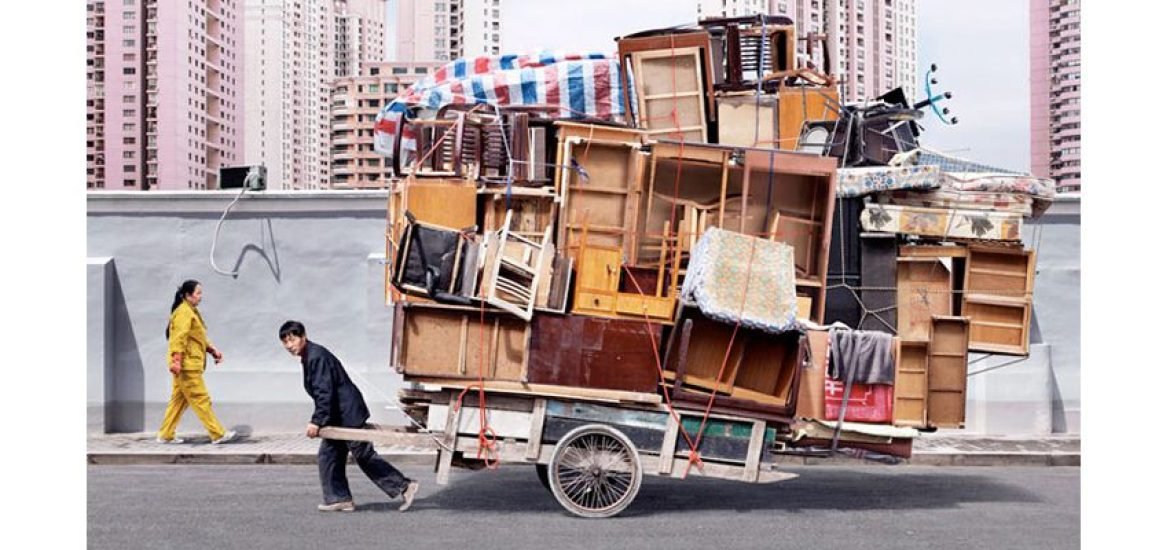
column 128, row 168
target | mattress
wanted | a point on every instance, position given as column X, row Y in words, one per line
column 942, row 222
column 723, row 266
column 856, row 182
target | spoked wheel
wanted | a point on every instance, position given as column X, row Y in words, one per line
column 595, row 472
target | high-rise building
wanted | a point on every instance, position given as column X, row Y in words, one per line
column 443, row 30
column 873, row 44
column 360, row 34
column 731, row 8
column 1055, row 82
column 293, row 58
column 164, row 93
column 355, row 106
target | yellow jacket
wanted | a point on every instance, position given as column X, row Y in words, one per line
column 188, row 336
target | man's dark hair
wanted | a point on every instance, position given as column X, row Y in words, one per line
column 292, row 328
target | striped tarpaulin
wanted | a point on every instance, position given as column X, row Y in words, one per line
column 581, row 85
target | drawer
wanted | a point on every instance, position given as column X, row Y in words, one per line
column 594, row 301
column 653, row 306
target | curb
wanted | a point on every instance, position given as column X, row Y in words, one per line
column 428, row 459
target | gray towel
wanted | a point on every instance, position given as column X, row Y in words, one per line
column 865, row 353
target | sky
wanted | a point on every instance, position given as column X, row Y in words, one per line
column 980, row 47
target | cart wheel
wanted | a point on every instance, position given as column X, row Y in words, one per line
column 542, row 474
column 595, row 472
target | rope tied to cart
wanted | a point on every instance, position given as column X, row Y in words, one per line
column 486, row 446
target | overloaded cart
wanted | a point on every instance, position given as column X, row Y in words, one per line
column 686, row 259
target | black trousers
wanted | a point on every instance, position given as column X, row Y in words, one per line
column 331, row 460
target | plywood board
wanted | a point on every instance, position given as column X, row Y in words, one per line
column 588, row 352
column 449, row 203
column 447, row 342
column 948, row 372
column 924, row 290
column 911, row 379
column 747, row 120
column 810, row 401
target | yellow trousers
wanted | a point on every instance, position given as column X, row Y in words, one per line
column 187, row 389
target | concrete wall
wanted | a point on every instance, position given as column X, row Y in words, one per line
column 308, row 256
column 316, row 257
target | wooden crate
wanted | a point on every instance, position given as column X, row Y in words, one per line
column 437, row 341
column 760, row 372
column 998, row 325
column 911, row 381
column 1000, row 271
column 924, row 290
column 947, row 404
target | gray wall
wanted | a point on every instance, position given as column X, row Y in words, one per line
column 316, row 257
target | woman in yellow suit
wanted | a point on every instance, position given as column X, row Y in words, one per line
column 187, row 342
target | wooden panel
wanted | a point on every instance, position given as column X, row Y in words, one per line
column 446, row 342
column 924, row 289
column 447, row 203
column 998, row 325
column 810, row 402
column 798, row 104
column 589, row 352
column 599, row 268
column 1000, row 271
column 948, row 372
column 911, row 384
column 746, row 120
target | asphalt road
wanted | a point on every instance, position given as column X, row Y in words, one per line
column 827, row 507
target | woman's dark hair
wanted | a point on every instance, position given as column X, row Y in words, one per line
column 182, row 292
column 291, row 328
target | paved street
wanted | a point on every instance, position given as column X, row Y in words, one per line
column 877, row 508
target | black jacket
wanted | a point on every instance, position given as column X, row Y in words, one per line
column 337, row 401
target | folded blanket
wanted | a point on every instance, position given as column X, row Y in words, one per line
column 867, row 354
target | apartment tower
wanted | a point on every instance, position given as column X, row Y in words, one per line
column 355, row 106
column 1055, row 99
column 438, row 30
column 164, row 93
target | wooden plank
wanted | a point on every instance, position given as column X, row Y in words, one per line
column 449, row 203
column 751, row 469
column 537, row 428
column 449, row 438
column 947, row 378
column 669, row 441
column 924, row 290
column 545, row 390
column 932, row 251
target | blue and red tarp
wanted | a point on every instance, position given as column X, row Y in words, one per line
column 581, row 85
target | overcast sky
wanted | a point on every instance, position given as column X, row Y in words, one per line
column 980, row 46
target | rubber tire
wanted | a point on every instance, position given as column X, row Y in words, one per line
column 635, row 482
column 542, row 474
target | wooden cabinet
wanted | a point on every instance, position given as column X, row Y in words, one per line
column 672, row 83
column 924, row 290
column 911, row 383
column 998, row 298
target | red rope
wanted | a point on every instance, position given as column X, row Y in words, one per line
column 486, row 449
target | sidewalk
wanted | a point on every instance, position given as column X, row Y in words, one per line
column 294, row 448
